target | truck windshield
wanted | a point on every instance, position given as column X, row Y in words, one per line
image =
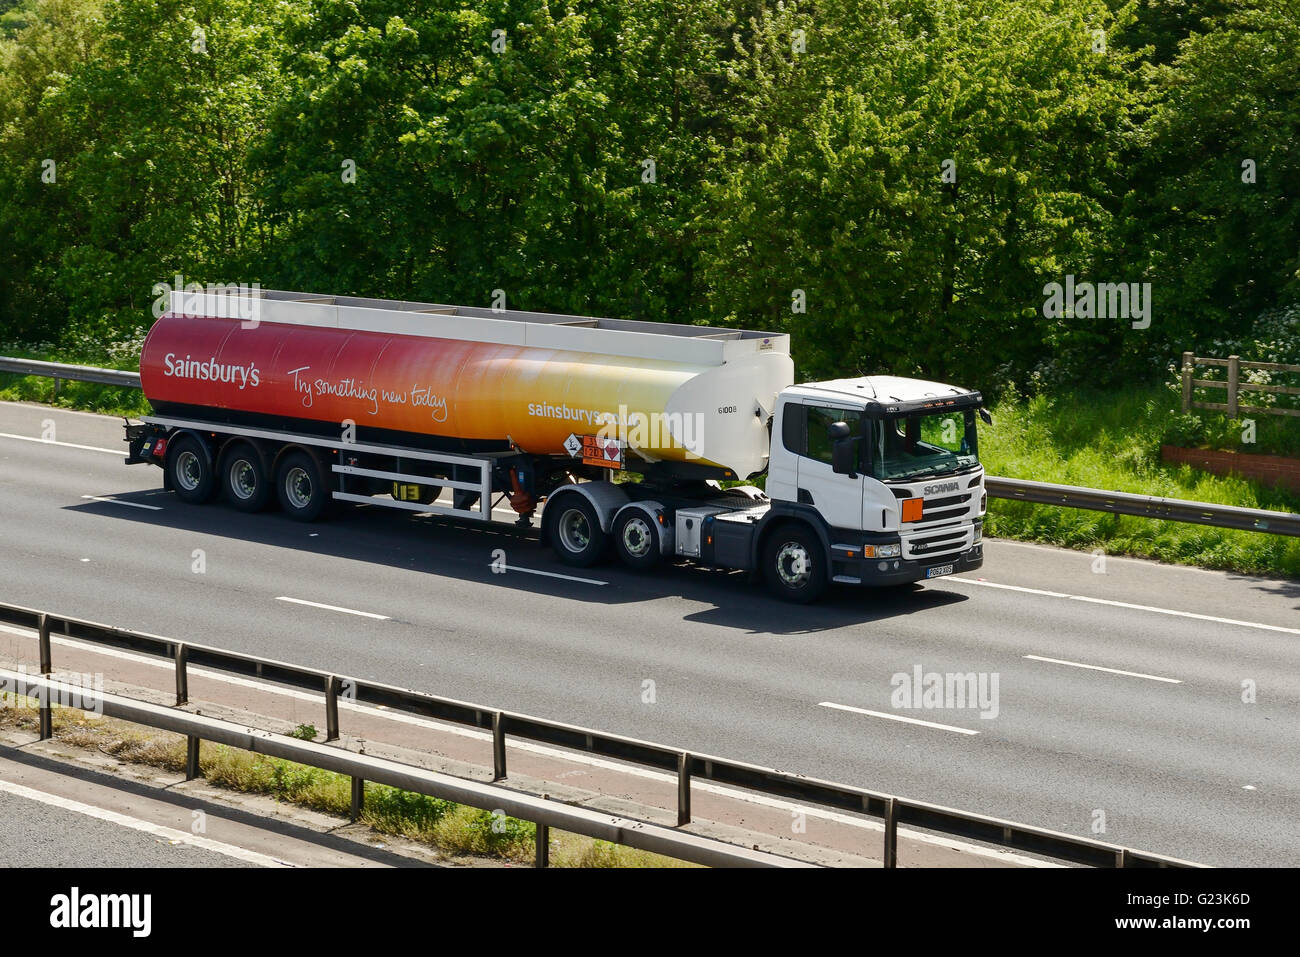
column 911, row 446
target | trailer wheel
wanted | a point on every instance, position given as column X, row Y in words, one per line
column 573, row 530
column 190, row 470
column 636, row 539
column 794, row 564
column 302, row 488
column 244, row 478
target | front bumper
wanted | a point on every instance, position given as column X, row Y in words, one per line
column 902, row 571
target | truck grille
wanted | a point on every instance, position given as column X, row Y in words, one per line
column 944, row 509
column 924, row 544
column 946, row 526
column 937, row 510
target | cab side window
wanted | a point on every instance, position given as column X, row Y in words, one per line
column 805, row 432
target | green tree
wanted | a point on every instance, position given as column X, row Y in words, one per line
column 148, row 112
column 1221, row 156
column 39, row 136
column 919, row 173
column 512, row 160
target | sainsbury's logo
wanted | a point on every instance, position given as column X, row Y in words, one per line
column 210, row 370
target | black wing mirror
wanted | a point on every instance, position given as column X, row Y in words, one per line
column 984, row 416
column 844, row 449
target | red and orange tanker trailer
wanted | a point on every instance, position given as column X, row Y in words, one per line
column 306, row 400
column 467, row 379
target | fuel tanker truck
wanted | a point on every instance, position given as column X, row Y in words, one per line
column 630, row 437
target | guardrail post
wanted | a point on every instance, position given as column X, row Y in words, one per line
column 1189, row 363
column 46, row 716
column 358, row 797
column 1234, row 376
column 332, row 708
column 891, row 833
column 683, row 789
column 182, row 673
column 498, row 747
column 43, row 639
column 57, row 382
column 543, row 845
column 191, row 757
column 1122, row 858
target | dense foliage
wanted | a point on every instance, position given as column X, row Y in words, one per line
column 893, row 181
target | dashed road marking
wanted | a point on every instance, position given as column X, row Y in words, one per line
column 346, row 611
column 1113, row 671
column 895, row 717
column 120, row 501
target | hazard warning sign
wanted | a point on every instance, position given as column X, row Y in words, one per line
column 596, row 450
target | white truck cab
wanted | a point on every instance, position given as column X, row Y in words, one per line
column 890, row 469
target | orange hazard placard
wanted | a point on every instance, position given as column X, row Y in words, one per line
column 606, row 453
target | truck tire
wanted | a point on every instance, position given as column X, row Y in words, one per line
column 573, row 530
column 636, row 539
column 302, row 487
column 244, row 478
column 794, row 562
column 189, row 468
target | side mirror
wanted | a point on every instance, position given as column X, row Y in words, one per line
column 985, row 417
column 844, row 449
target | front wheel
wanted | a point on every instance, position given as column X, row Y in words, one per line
column 574, row 531
column 301, row 486
column 794, row 562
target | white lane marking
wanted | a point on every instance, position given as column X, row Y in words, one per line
column 57, row 410
column 1061, row 550
column 535, row 571
column 575, row 757
column 895, row 717
column 118, row 501
column 1113, row 671
column 67, row 445
column 1130, row 605
column 346, row 611
column 147, row 827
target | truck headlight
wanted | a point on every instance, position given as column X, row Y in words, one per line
column 979, row 534
column 882, row 551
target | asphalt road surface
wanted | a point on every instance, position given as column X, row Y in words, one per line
column 1118, row 714
column 34, row 834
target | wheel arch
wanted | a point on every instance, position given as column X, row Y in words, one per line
column 205, row 443
column 659, row 516
column 266, row 451
column 290, row 447
column 782, row 518
column 605, row 498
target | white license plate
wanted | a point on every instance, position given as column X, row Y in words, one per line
column 938, row 571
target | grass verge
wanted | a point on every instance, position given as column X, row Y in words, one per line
column 1112, row 441
column 83, row 396
column 453, row 829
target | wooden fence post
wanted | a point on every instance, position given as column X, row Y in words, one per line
column 1234, row 376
